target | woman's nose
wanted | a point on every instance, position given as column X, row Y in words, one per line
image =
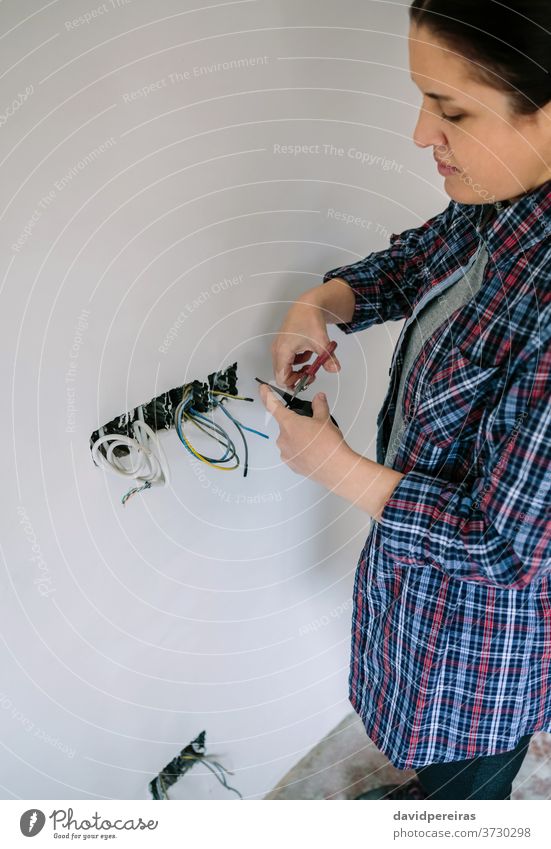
column 428, row 130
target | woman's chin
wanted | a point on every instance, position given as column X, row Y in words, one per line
column 461, row 193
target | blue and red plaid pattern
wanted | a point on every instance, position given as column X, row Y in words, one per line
column 451, row 625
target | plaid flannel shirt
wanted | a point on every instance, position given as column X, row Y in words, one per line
column 451, row 625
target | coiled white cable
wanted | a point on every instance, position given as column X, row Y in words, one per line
column 145, row 453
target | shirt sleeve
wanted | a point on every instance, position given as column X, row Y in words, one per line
column 496, row 531
column 386, row 283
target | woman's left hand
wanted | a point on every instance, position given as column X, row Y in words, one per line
column 310, row 446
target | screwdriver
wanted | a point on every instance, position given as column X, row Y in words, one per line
column 309, row 372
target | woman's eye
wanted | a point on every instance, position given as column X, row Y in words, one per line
column 451, row 117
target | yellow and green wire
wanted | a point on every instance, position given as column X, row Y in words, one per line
column 185, row 412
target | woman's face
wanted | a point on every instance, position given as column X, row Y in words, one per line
column 498, row 155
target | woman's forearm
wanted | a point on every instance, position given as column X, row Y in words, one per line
column 336, row 298
column 361, row 481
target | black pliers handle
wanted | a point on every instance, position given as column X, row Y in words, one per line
column 298, row 405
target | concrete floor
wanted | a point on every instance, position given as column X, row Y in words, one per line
column 346, row 763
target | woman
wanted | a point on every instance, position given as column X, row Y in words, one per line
column 451, row 635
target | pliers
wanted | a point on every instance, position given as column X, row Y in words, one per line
column 298, row 405
column 308, row 373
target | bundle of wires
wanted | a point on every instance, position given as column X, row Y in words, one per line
column 144, row 458
column 129, row 445
column 185, row 411
column 193, row 753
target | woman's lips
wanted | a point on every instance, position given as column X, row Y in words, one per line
column 446, row 170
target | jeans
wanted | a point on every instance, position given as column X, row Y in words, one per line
column 488, row 777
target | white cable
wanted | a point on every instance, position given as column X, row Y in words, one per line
column 145, row 453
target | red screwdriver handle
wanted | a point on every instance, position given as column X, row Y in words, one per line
column 319, row 361
column 307, row 373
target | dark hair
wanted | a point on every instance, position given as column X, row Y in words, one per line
column 509, row 43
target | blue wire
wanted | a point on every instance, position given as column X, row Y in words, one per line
column 215, row 425
column 187, row 407
column 219, row 404
column 228, row 452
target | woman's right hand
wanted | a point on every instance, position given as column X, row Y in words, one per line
column 302, row 334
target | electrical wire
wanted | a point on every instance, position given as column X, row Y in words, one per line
column 144, row 450
column 185, row 408
column 145, row 460
column 186, row 411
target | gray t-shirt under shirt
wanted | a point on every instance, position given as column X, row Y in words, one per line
column 431, row 315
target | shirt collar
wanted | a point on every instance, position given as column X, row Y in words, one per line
column 517, row 224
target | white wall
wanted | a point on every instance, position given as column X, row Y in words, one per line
column 126, row 631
